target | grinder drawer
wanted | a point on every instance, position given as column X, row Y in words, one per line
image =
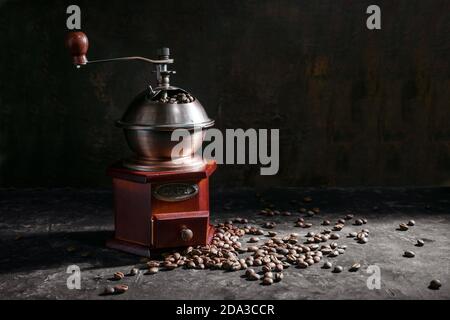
column 180, row 229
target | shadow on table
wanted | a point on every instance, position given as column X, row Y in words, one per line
column 61, row 249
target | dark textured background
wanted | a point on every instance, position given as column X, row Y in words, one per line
column 355, row 107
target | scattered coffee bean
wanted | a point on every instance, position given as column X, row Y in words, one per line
column 358, row 222
column 334, row 236
column 310, row 213
column 267, row 281
column 120, row 288
column 253, row 276
column 348, row 217
column 355, row 267
column 411, row 223
column 272, row 234
column 278, row 277
column 409, row 254
column 338, row 269
column 286, row 213
column 352, row 234
column 363, row 240
column 364, row 220
column 326, row 222
column 269, row 225
column 327, row 265
column 253, row 239
column 118, row 275
column 403, row 227
column 420, row 243
column 108, row 290
column 152, row 264
column 134, row 271
column 154, row 270
column 435, row 284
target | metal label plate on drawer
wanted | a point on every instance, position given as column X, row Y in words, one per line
column 173, row 192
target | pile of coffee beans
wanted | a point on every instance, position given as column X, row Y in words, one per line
column 180, row 97
column 265, row 258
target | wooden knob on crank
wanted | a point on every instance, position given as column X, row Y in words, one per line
column 187, row 234
column 78, row 44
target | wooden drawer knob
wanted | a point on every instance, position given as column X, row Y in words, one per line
column 187, row 234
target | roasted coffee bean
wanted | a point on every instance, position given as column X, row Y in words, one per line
column 278, row 277
column 363, row 240
column 268, row 275
column 272, row 234
column 310, row 234
column 302, row 264
column 403, row 227
column 352, row 234
column 317, row 259
column 248, row 272
column 253, row 276
column 338, row 227
column 409, row 254
column 120, row 288
column 435, row 284
column 286, row 213
column 108, row 290
column 334, row 236
column 307, row 225
column 358, row 222
column 348, row 217
column 334, row 245
column 134, row 271
column 341, row 251
column 341, row 221
column 333, row 254
column 420, row 243
column 310, row 261
column 327, row 265
column 326, row 222
column 252, row 248
column 118, row 275
column 355, row 267
column 267, row 281
column 154, row 270
column 310, row 213
column 253, row 239
column 279, row 267
column 266, row 268
column 411, row 223
column 269, row 225
column 364, row 220
column 338, row 269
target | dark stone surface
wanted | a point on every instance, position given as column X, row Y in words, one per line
column 355, row 107
column 39, row 228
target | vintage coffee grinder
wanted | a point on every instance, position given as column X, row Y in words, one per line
column 160, row 200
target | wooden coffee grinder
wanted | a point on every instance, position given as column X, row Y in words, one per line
column 161, row 200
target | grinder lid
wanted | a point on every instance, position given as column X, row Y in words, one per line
column 166, row 108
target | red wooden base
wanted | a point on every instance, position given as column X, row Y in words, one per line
column 160, row 210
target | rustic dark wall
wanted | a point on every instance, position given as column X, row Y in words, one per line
column 355, row 107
